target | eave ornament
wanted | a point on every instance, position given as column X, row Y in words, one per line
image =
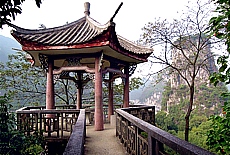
column 44, row 61
column 132, row 69
column 73, row 61
column 100, row 62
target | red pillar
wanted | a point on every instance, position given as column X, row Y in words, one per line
column 50, row 86
column 99, row 123
column 126, row 87
column 110, row 104
column 79, row 91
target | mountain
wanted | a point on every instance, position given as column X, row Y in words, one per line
column 6, row 47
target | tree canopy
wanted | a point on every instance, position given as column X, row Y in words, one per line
column 218, row 135
column 10, row 8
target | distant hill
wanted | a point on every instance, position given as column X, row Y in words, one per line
column 6, row 45
column 137, row 93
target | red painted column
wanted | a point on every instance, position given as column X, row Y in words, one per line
column 126, row 87
column 79, row 91
column 50, row 102
column 110, row 104
column 98, row 115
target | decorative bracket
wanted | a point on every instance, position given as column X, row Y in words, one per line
column 100, row 61
column 132, row 69
column 44, row 61
column 73, row 61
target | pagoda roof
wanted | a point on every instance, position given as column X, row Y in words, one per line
column 79, row 37
column 76, row 32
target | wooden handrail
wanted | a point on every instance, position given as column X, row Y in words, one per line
column 129, row 129
column 76, row 141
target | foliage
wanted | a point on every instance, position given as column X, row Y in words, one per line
column 220, row 28
column 10, row 8
column 20, row 80
column 13, row 141
column 27, row 84
column 134, row 83
column 218, row 135
column 174, row 124
column 161, row 120
column 220, row 25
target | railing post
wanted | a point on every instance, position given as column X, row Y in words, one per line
column 36, row 121
column 58, row 115
column 136, row 141
column 18, row 121
column 117, row 124
column 153, row 114
column 150, row 145
column 157, row 147
column 40, row 117
column 62, row 124
column 28, row 124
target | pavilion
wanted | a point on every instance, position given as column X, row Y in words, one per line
column 83, row 46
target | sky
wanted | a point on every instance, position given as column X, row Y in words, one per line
column 132, row 16
column 130, row 19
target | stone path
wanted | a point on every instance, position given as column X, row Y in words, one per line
column 103, row 142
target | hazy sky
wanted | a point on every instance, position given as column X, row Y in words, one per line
column 132, row 16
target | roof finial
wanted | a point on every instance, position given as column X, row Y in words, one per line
column 87, row 7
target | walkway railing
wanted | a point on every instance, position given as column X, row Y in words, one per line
column 75, row 145
column 142, row 138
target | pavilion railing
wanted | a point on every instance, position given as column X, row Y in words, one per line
column 57, row 122
column 142, row 138
column 88, row 107
column 49, row 123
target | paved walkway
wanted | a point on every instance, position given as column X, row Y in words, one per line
column 103, row 142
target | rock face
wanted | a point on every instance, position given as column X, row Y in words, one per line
column 184, row 60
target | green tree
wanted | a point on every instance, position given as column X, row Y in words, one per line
column 14, row 142
column 10, row 8
column 161, row 117
column 218, row 135
column 27, row 84
column 197, row 120
column 118, row 89
column 20, row 80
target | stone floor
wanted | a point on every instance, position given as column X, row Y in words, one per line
column 103, row 142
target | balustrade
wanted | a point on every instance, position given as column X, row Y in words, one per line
column 49, row 123
column 142, row 138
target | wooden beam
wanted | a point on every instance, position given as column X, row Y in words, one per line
column 74, row 68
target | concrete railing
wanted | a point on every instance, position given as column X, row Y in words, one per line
column 75, row 145
column 142, row 138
